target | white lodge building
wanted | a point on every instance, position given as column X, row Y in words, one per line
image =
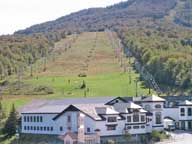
column 93, row 120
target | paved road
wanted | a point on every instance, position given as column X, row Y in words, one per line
column 179, row 137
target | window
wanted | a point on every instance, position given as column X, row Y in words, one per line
column 41, row 128
column 142, row 126
column 128, row 118
column 148, row 107
column 45, row 129
column 41, row 119
column 34, row 118
column 142, row 118
column 61, row 128
column 37, row 118
column 112, row 119
column 69, row 128
column 68, row 118
column 135, row 127
column 31, row 119
column 88, row 130
column 25, row 127
column 158, row 106
column 28, row 128
column 129, row 127
column 37, row 128
column 158, row 117
column 182, row 112
column 51, row 128
column 31, row 128
column 135, row 117
column 111, row 127
column 34, row 128
column 189, row 112
column 28, row 119
column 24, row 118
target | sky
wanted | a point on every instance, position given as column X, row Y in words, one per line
column 20, row 14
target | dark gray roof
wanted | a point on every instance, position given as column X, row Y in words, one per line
column 69, row 101
column 56, row 106
column 177, row 98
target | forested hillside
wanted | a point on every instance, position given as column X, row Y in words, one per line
column 19, row 51
column 159, row 43
column 124, row 13
column 165, row 52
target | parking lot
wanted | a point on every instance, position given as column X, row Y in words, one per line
column 179, row 137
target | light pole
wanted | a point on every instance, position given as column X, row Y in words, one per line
column 136, row 88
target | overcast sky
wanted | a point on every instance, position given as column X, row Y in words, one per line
column 19, row 14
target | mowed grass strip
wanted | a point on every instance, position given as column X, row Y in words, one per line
column 105, row 77
column 113, row 84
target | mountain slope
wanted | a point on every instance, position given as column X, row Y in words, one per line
column 101, row 18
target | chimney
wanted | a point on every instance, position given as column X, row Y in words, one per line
column 97, row 132
column 81, row 129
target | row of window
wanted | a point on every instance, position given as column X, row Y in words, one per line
column 136, row 127
column 111, row 119
column 33, row 119
column 189, row 112
column 38, row 128
column 111, row 127
column 148, row 107
column 136, row 118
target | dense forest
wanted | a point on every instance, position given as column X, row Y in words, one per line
column 98, row 19
column 19, row 51
column 165, row 52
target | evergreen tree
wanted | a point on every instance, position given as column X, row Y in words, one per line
column 11, row 123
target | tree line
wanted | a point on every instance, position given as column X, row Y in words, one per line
column 165, row 52
column 19, row 51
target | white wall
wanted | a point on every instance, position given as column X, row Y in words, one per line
column 171, row 112
column 186, row 117
column 47, row 122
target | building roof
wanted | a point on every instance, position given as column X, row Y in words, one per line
column 95, row 110
column 153, row 98
column 185, row 103
column 47, row 109
column 123, row 107
column 177, row 98
column 55, row 105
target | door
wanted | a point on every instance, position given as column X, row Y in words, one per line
column 189, row 124
column 183, row 125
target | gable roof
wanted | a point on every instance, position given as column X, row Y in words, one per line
column 94, row 111
column 111, row 102
column 123, row 107
column 153, row 98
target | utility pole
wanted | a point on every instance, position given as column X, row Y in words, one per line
column 136, row 88
column 129, row 75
